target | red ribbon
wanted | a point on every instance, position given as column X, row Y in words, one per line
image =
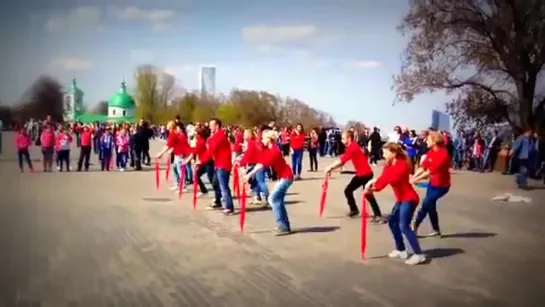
column 363, row 235
column 157, row 179
column 195, row 188
column 167, row 174
column 242, row 202
column 182, row 181
column 323, row 197
column 236, row 184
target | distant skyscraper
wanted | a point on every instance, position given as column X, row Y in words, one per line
column 207, row 80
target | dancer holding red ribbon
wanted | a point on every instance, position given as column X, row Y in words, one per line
column 219, row 149
column 396, row 173
column 272, row 157
column 178, row 144
column 250, row 158
column 200, row 169
column 364, row 174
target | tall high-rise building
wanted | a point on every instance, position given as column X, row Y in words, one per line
column 207, row 80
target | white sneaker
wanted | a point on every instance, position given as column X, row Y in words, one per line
column 201, row 194
column 173, row 189
column 416, row 259
column 121, row 169
column 395, row 254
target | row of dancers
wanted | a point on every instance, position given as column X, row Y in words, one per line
column 261, row 154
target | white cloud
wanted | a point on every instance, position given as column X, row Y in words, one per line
column 278, row 35
column 80, row 19
column 70, row 63
column 182, row 70
column 159, row 19
column 365, row 64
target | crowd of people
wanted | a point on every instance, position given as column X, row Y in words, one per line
column 210, row 149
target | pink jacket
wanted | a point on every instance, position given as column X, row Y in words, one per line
column 47, row 138
column 22, row 141
column 122, row 143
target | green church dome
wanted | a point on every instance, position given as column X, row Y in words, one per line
column 122, row 99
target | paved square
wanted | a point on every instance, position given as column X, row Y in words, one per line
column 112, row 239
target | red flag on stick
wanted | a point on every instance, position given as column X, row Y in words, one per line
column 182, row 182
column 236, row 184
column 195, row 188
column 323, row 197
column 167, row 171
column 157, row 179
column 242, row 202
column 363, row 235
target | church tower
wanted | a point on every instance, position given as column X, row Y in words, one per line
column 73, row 102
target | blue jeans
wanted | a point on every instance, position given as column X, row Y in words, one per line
column 429, row 206
column 188, row 173
column 222, row 189
column 522, row 176
column 458, row 158
column 277, row 202
column 399, row 222
column 260, row 186
column 177, row 170
column 297, row 161
column 122, row 159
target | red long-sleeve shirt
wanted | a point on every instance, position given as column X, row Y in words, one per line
column 200, row 148
column 359, row 159
column 219, row 149
column 397, row 174
column 297, row 141
column 179, row 144
column 272, row 157
column 437, row 161
column 251, row 155
column 86, row 137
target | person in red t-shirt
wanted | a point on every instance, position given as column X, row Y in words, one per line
column 436, row 166
column 297, row 144
column 396, row 173
column 364, row 174
column 285, row 141
column 272, row 157
column 219, row 150
column 250, row 158
column 86, row 141
column 178, row 144
column 197, row 152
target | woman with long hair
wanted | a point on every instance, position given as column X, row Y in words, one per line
column 396, row 173
column 272, row 157
column 297, row 144
column 436, row 167
column 313, row 145
column 250, row 158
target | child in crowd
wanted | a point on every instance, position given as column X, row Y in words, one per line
column 122, row 146
column 47, row 140
column 22, row 143
column 396, row 173
column 106, row 144
column 62, row 144
column 250, row 158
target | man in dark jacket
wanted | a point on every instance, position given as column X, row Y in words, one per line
column 376, row 146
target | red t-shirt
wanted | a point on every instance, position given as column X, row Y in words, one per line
column 284, row 137
column 438, row 163
column 239, row 139
column 251, row 154
column 219, row 149
column 178, row 143
column 297, row 141
column 86, row 137
column 272, row 157
column 359, row 159
column 200, row 147
column 397, row 175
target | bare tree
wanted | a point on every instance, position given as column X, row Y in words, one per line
column 489, row 53
column 44, row 97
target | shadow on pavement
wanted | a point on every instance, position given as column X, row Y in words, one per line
column 470, row 235
column 436, row 253
column 317, row 229
column 157, row 199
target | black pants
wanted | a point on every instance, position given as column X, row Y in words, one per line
column 313, row 155
column 285, row 150
column 375, row 154
column 84, row 156
column 23, row 155
column 137, row 159
column 353, row 185
column 145, row 157
column 208, row 169
column 63, row 156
